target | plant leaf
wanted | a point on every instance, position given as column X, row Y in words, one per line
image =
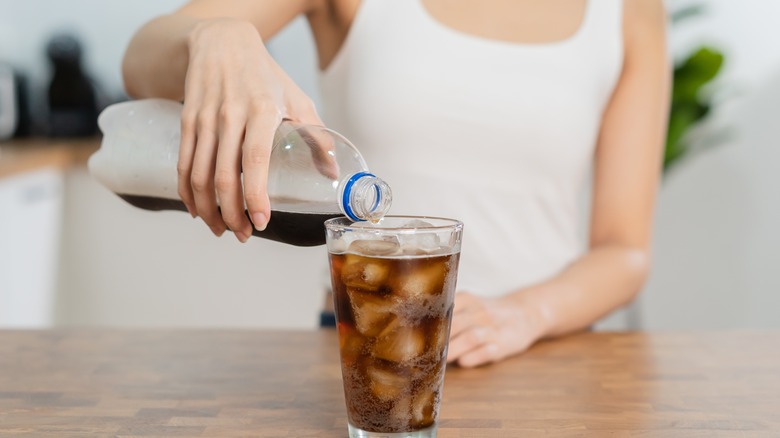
column 687, row 12
column 681, row 118
column 695, row 72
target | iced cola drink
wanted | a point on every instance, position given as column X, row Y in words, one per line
column 393, row 287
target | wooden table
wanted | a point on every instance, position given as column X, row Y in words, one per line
column 287, row 384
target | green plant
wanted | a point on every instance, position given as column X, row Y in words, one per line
column 690, row 106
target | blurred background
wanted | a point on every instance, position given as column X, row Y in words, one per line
column 74, row 254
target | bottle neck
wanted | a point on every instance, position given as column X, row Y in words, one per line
column 364, row 197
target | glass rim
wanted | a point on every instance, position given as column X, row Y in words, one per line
column 344, row 223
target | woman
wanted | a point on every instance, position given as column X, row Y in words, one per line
column 494, row 112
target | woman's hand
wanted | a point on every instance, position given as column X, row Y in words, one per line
column 486, row 330
column 235, row 96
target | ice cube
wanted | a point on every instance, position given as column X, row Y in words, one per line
column 422, row 243
column 363, row 224
column 421, row 282
column 401, row 411
column 417, row 223
column 390, row 325
column 385, row 246
column 364, row 272
column 401, row 345
column 351, row 343
column 385, row 384
column 423, row 407
column 438, row 338
column 373, row 313
column 337, row 246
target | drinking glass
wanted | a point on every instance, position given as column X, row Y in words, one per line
column 394, row 286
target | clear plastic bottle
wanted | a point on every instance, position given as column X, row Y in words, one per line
column 314, row 173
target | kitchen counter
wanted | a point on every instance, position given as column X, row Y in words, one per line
column 225, row 383
column 25, row 155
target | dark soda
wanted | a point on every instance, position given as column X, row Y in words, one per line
column 290, row 227
column 393, row 316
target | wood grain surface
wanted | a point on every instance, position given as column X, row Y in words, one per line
column 30, row 154
column 288, row 384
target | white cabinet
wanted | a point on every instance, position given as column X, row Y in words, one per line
column 30, row 223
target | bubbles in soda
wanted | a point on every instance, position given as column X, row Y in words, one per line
column 393, row 311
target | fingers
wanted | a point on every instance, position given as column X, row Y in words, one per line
column 258, row 141
column 465, row 302
column 463, row 316
column 322, row 148
column 233, row 104
column 484, row 354
column 211, row 162
column 227, row 175
column 472, row 336
column 320, row 141
column 203, row 168
column 465, row 342
column 186, row 155
column 486, row 330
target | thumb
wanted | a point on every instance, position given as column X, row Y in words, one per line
column 320, row 140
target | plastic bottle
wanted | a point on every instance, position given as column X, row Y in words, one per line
column 314, row 173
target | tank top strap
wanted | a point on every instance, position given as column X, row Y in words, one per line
column 603, row 21
column 365, row 24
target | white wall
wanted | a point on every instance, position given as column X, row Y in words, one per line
column 122, row 266
column 717, row 245
column 104, row 27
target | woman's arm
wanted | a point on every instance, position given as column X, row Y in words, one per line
column 155, row 62
column 211, row 54
column 626, row 175
column 627, row 169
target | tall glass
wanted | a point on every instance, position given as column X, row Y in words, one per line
column 393, row 285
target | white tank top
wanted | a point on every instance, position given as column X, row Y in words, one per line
column 497, row 134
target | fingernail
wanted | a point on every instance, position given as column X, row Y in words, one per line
column 242, row 237
column 260, row 221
